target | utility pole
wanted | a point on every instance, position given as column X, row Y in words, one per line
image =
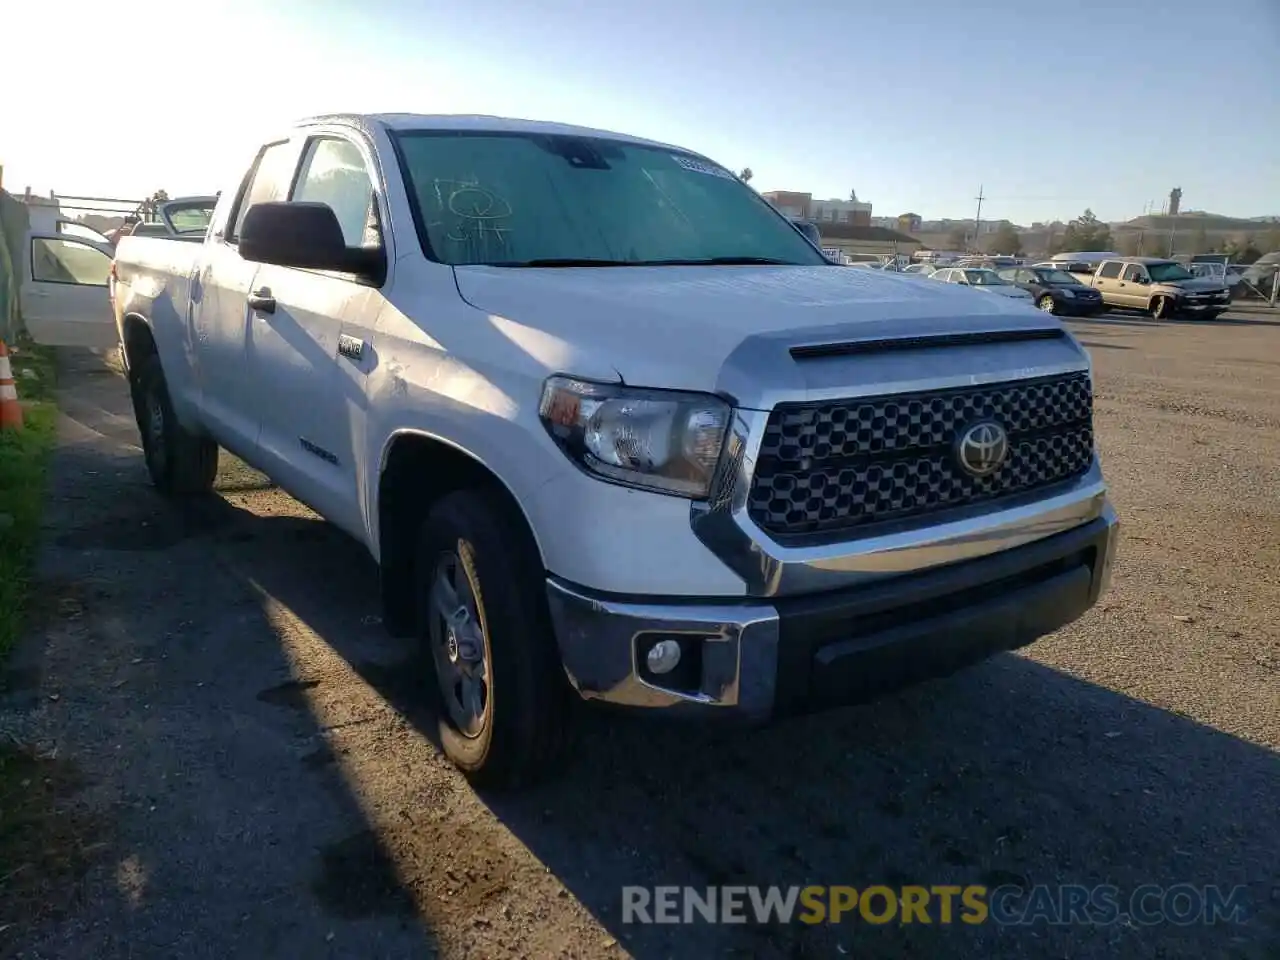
column 977, row 217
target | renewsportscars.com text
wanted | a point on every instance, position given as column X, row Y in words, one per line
column 1181, row 904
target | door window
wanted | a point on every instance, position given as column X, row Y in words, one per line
column 333, row 172
column 1133, row 272
column 68, row 261
column 1109, row 271
column 269, row 180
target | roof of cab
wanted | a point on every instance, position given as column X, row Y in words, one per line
column 426, row 121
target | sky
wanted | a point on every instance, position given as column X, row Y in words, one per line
column 1107, row 104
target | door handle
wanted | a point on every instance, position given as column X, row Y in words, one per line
column 262, row 301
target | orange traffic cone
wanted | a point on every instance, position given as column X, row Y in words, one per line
column 10, row 409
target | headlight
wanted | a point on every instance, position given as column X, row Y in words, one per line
column 1068, row 294
column 654, row 439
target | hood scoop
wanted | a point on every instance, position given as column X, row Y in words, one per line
column 847, row 348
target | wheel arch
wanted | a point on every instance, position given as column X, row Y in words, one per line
column 415, row 469
column 137, row 339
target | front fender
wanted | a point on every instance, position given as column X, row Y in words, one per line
column 416, row 390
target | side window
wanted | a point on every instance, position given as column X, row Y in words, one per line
column 268, row 181
column 1110, row 270
column 68, row 261
column 1026, row 276
column 1133, row 272
column 333, row 172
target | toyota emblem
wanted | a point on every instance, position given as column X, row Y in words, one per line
column 982, row 448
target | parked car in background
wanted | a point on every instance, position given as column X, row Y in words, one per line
column 1056, row 291
column 183, row 218
column 1077, row 268
column 981, row 279
column 1160, row 287
column 64, row 288
column 988, row 262
column 923, row 269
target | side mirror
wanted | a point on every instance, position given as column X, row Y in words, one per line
column 307, row 236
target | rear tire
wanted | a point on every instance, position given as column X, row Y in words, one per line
column 181, row 464
column 514, row 730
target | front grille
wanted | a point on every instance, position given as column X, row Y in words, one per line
column 849, row 464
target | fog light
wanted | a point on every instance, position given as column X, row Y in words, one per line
column 663, row 656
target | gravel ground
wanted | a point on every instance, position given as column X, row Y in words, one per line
column 258, row 778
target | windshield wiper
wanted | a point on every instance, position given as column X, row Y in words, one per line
column 721, row 262
column 594, row 262
column 566, row 262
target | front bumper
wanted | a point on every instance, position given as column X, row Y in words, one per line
column 756, row 660
column 1193, row 307
column 1080, row 307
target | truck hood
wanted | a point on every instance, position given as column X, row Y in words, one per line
column 1196, row 285
column 677, row 327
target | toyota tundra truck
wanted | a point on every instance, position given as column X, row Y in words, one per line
column 612, row 427
column 1162, row 288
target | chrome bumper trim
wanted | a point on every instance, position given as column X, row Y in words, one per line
column 598, row 641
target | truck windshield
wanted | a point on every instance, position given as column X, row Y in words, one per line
column 525, row 199
column 1167, row 272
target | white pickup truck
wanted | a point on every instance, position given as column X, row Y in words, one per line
column 610, row 424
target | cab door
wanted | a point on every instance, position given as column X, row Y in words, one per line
column 309, row 348
column 1132, row 286
column 63, row 294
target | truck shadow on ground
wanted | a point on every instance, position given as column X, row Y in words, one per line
column 213, row 827
column 1009, row 774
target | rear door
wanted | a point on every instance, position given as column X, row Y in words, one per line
column 63, row 295
column 1107, row 282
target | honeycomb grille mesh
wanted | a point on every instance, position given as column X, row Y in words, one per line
column 848, row 464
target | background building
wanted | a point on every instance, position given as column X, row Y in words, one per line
column 802, row 206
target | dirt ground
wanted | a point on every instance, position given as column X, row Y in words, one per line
column 251, row 771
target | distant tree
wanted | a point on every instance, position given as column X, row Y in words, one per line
column 1200, row 242
column 1006, row 241
column 1129, row 243
column 1270, row 241
column 1086, row 232
column 746, row 175
column 150, row 204
column 958, row 239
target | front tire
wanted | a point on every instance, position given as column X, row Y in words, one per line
column 1047, row 304
column 181, row 464
column 486, row 632
column 1161, row 308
